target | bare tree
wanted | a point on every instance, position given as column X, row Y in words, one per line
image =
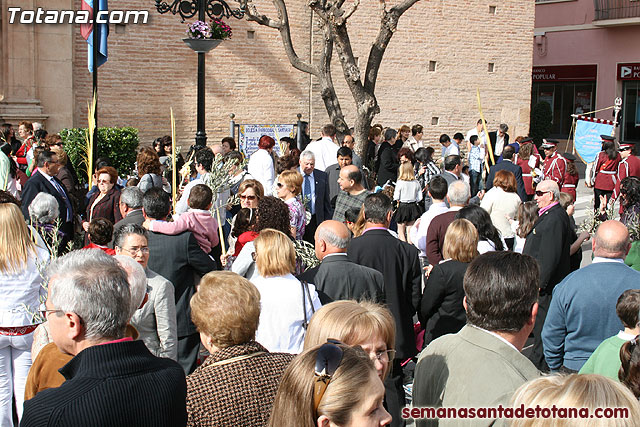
column 333, row 15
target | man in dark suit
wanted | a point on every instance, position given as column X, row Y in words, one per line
column 337, row 278
column 548, row 242
column 44, row 181
column 507, row 164
column 130, row 209
column 179, row 259
column 399, row 264
column 345, row 157
column 315, row 193
column 499, row 140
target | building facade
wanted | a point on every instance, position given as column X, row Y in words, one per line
column 585, row 54
column 441, row 54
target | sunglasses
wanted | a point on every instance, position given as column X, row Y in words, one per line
column 248, row 197
column 541, row 193
column 328, row 360
column 279, row 184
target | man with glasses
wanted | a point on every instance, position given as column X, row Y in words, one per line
column 111, row 379
column 180, row 260
column 44, row 181
column 548, row 242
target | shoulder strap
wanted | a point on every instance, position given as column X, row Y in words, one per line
column 306, row 294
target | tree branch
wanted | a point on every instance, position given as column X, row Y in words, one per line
column 282, row 25
column 388, row 26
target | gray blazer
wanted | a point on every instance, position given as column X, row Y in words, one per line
column 472, row 369
column 156, row 320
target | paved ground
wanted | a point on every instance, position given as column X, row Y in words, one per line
column 583, row 205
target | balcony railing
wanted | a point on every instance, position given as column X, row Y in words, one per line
column 616, row 9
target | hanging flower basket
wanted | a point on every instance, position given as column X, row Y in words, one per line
column 203, row 36
column 202, row 45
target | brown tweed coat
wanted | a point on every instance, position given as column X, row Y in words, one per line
column 239, row 393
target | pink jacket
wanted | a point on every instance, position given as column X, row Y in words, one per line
column 200, row 222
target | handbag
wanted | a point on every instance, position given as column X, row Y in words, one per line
column 306, row 294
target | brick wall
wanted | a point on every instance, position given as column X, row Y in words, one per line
column 150, row 69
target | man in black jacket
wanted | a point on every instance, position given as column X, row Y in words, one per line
column 44, row 181
column 337, row 278
column 315, row 193
column 180, row 260
column 399, row 264
column 548, row 242
column 111, row 380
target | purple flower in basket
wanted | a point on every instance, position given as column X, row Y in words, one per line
column 217, row 30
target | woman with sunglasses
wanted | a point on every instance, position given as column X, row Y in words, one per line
column 330, row 385
column 22, row 288
column 288, row 188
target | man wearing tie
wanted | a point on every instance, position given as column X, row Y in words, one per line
column 315, row 193
column 44, row 180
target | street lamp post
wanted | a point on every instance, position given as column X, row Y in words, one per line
column 187, row 9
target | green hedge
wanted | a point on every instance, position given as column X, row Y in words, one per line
column 119, row 145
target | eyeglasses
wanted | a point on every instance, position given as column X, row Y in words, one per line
column 542, row 193
column 44, row 310
column 279, row 184
column 248, row 197
column 143, row 249
column 384, row 356
column 328, row 360
column 104, row 181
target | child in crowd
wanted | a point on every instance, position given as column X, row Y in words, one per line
column 100, row 233
column 197, row 219
column 407, row 193
column 570, row 176
column 476, row 157
column 351, row 218
column 527, row 217
column 606, row 359
column 243, row 229
column 465, row 174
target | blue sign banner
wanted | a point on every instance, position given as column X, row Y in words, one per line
column 587, row 140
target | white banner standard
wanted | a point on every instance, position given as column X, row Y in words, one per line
column 249, row 136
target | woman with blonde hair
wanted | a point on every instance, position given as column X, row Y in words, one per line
column 502, row 202
column 225, row 389
column 287, row 304
column 441, row 311
column 586, row 394
column 330, row 385
column 288, row 188
column 408, row 194
column 20, row 295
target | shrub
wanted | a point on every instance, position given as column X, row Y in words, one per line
column 541, row 118
column 119, row 145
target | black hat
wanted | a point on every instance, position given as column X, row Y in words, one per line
column 526, row 140
column 607, row 137
column 549, row 143
column 569, row 157
column 626, row 145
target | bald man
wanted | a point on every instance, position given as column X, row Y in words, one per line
column 352, row 192
column 582, row 313
column 548, row 242
column 337, row 278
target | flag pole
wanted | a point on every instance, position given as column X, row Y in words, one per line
column 94, row 53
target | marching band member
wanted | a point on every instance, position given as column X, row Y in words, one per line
column 628, row 166
column 554, row 164
column 606, row 170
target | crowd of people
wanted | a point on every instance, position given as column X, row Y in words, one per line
column 427, row 279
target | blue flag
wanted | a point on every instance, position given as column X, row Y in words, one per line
column 103, row 31
column 587, row 138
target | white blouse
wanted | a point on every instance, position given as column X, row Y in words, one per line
column 262, row 169
column 281, row 316
column 20, row 292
